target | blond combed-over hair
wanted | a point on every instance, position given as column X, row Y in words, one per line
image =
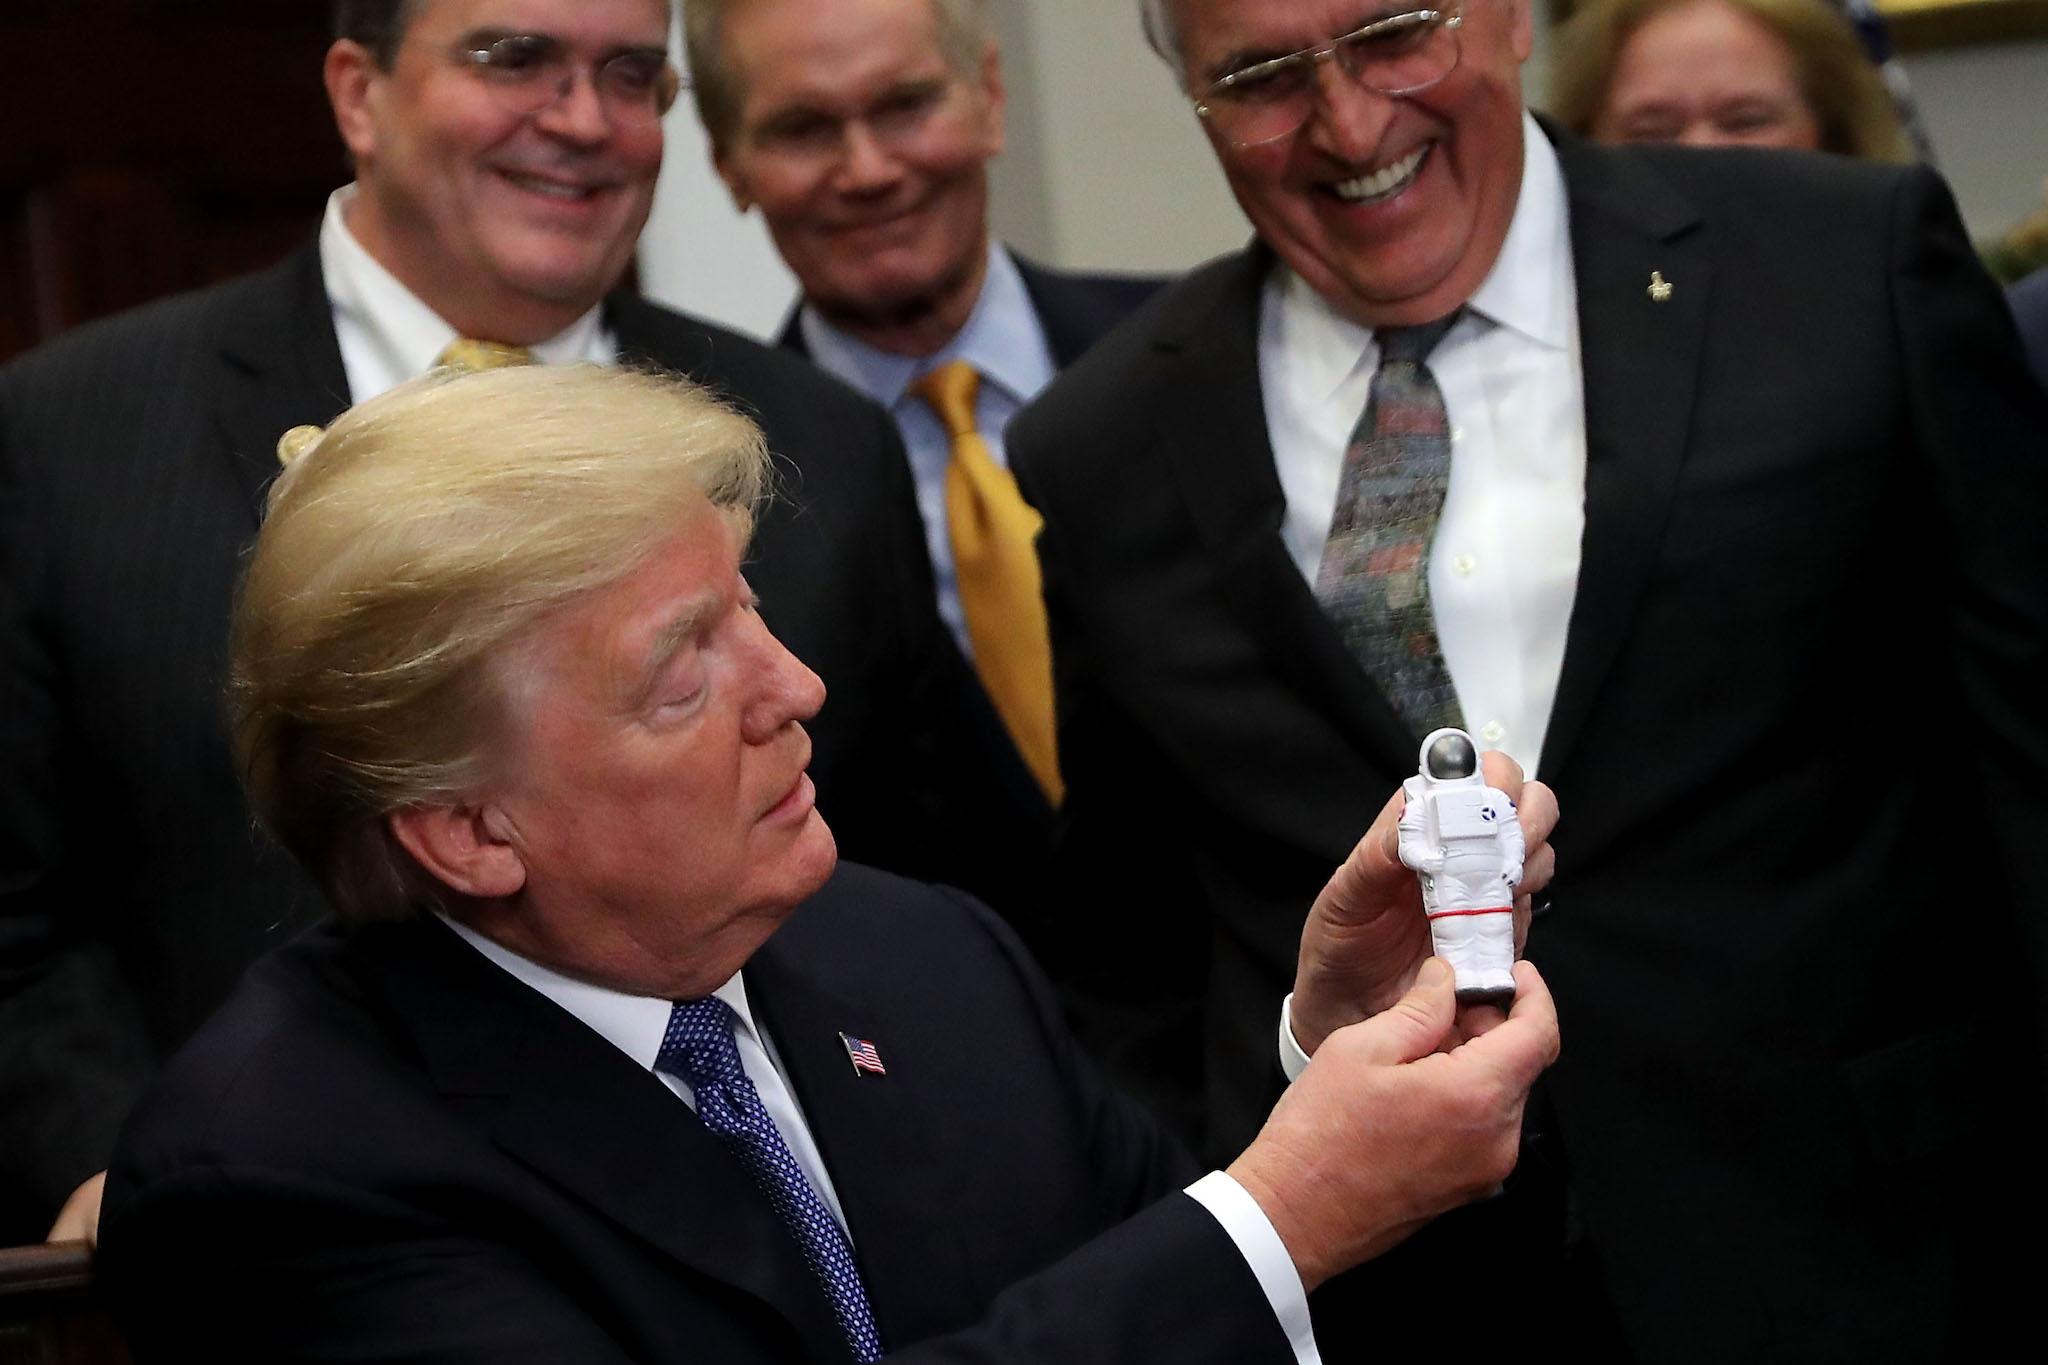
column 964, row 35
column 1850, row 104
column 406, row 559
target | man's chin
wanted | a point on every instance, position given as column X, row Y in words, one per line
column 886, row 306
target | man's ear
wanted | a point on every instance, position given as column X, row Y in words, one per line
column 728, row 168
column 992, row 91
column 467, row 848
column 351, row 72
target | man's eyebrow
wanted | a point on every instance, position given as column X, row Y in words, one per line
column 681, row 630
column 1246, row 57
column 479, row 38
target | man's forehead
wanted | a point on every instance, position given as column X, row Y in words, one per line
column 1208, row 26
column 648, row 19
column 849, row 45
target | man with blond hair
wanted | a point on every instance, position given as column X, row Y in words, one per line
column 607, row 1057
column 505, row 156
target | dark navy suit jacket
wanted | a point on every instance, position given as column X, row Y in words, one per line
column 386, row 1148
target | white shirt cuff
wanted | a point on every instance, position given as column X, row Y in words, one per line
column 1293, row 1061
column 1246, row 1225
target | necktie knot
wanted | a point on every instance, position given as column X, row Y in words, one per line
column 469, row 354
column 950, row 390
column 698, row 1044
column 699, row 1047
column 1412, row 345
column 995, row 566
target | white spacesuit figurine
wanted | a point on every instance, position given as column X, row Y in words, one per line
column 1463, row 839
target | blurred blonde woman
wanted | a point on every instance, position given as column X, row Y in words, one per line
column 1765, row 73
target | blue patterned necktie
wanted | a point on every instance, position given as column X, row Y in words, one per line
column 1373, row 581
column 699, row 1048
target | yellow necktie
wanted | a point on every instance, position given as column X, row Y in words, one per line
column 995, row 565
column 467, row 353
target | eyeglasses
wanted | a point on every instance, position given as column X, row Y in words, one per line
column 804, row 136
column 1402, row 54
column 527, row 72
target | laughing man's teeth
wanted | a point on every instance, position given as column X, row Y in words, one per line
column 547, row 187
column 1387, row 180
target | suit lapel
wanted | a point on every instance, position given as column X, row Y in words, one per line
column 1641, row 358
column 573, row 1108
column 1072, row 317
column 280, row 368
column 878, row 1136
column 1215, row 428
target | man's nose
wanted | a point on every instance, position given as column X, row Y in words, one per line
column 787, row 689
column 1347, row 120
column 577, row 114
column 867, row 163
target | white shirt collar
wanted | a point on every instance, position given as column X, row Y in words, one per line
column 1530, row 286
column 634, row 1024
column 1528, row 290
column 396, row 335
column 1001, row 340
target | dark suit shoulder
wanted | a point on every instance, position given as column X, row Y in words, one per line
column 767, row 380
column 2029, row 300
column 141, row 346
column 887, row 931
column 1804, row 198
column 236, row 1092
column 1118, row 389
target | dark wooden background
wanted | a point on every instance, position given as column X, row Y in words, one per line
column 149, row 146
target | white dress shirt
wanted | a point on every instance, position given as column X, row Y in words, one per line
column 388, row 335
column 1005, row 343
column 635, row 1025
column 1505, row 562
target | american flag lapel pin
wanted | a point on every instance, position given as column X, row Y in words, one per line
column 862, row 1054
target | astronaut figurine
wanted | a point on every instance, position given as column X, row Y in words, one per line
column 1464, row 841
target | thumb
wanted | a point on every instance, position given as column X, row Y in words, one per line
column 1412, row 1026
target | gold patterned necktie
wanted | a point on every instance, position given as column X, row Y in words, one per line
column 995, row 564
column 467, row 353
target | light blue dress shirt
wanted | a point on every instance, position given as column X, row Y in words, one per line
column 1004, row 342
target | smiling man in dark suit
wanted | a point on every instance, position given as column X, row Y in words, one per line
column 862, row 130
column 505, row 158
column 607, row 1060
column 1707, row 484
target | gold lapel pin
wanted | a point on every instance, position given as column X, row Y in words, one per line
column 297, row 442
column 1660, row 288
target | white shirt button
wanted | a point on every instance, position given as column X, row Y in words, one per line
column 1493, row 732
column 1457, row 433
column 1464, row 565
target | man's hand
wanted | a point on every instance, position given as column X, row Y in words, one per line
column 79, row 1219
column 1366, row 936
column 1383, row 1132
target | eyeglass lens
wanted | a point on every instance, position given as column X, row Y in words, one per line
column 1398, row 55
column 530, row 71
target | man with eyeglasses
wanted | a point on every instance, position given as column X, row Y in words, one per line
column 862, row 132
column 1709, row 486
column 505, row 156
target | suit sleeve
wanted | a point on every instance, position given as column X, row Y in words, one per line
column 1981, row 427
column 73, row 1049
column 252, row 1268
column 239, row 1265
